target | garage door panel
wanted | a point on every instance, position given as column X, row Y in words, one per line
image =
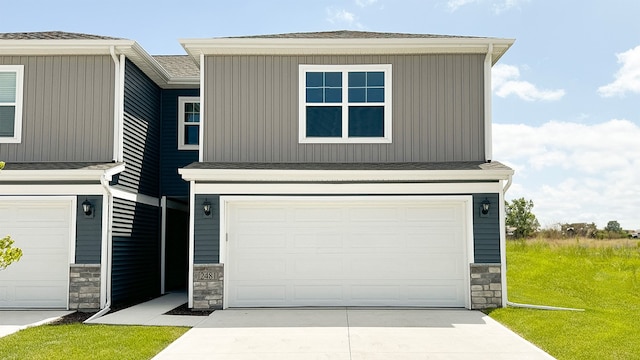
column 42, row 229
column 387, row 253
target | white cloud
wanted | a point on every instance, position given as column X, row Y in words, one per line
column 365, row 3
column 627, row 78
column 340, row 15
column 575, row 172
column 497, row 6
column 454, row 5
column 505, row 81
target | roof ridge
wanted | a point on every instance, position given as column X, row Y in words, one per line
column 54, row 35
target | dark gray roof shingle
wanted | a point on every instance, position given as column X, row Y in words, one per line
column 178, row 65
column 59, row 166
column 348, row 34
column 53, row 35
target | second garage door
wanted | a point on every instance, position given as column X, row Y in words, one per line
column 345, row 252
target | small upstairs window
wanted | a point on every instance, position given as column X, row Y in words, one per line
column 345, row 104
column 188, row 123
column 11, row 79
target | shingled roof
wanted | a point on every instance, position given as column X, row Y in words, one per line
column 178, row 65
column 347, row 34
column 53, row 35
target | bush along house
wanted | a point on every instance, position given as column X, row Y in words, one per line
column 337, row 168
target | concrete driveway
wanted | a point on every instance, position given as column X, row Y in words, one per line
column 14, row 320
column 354, row 334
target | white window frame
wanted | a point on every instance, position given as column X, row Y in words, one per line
column 182, row 100
column 344, row 69
column 17, row 124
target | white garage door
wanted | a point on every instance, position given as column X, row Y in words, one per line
column 42, row 229
column 346, row 253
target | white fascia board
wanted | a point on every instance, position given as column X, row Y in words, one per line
column 348, row 189
column 61, row 47
column 232, row 175
column 288, row 46
column 59, row 175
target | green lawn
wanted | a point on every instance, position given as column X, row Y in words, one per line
column 79, row 341
column 602, row 277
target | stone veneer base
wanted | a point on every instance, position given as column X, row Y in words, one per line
column 486, row 286
column 207, row 286
column 84, row 287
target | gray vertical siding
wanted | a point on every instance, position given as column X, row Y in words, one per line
column 486, row 230
column 141, row 145
column 67, row 109
column 136, row 256
column 172, row 159
column 252, row 110
column 89, row 232
column 207, row 231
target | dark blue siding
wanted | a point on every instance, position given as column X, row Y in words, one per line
column 136, row 256
column 172, row 184
column 141, row 133
column 486, row 230
column 89, row 231
column 207, row 231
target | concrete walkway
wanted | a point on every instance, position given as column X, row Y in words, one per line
column 151, row 313
column 12, row 321
column 354, row 334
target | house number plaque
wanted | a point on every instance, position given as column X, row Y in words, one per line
column 205, row 275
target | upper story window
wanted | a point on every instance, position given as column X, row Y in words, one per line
column 11, row 78
column 188, row 123
column 345, row 103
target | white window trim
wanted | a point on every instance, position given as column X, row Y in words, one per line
column 302, row 104
column 17, row 125
column 181, row 123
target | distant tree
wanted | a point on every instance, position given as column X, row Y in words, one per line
column 8, row 253
column 613, row 226
column 521, row 217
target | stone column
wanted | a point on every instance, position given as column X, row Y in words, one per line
column 84, row 287
column 207, row 286
column 486, row 286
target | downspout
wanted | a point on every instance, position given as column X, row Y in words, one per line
column 116, row 105
column 488, row 149
column 104, row 181
column 505, row 299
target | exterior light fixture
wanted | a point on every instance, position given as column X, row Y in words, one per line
column 87, row 208
column 485, row 205
column 206, row 208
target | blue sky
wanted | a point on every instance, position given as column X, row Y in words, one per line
column 566, row 95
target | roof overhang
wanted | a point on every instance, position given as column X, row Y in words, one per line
column 131, row 49
column 225, row 175
column 84, row 174
column 352, row 46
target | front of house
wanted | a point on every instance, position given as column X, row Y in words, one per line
column 309, row 169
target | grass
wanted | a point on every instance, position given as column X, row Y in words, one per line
column 79, row 341
column 600, row 276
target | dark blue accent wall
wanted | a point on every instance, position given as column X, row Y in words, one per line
column 172, row 184
column 486, row 229
column 89, row 231
column 141, row 145
column 206, row 231
column 136, row 256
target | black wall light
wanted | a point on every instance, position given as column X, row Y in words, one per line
column 485, row 206
column 87, row 208
column 206, row 208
